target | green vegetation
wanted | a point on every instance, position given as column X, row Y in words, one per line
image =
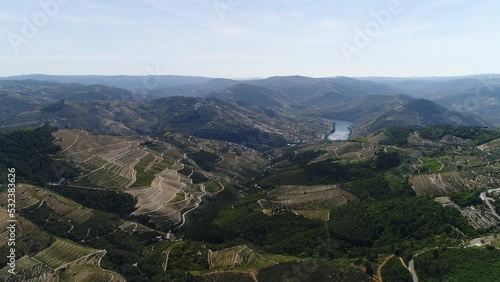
column 323, row 172
column 250, row 137
column 308, row 239
column 429, row 165
column 396, row 222
column 267, row 232
column 185, row 256
column 394, row 271
column 54, row 107
column 116, row 202
column 465, row 199
column 213, row 187
column 28, row 245
column 313, row 271
column 28, row 151
column 397, row 136
column 470, row 264
column 179, row 196
column 198, row 177
column 301, row 159
column 100, row 232
column 379, row 187
column 205, row 159
column 229, row 276
column 158, row 167
column 387, row 160
column 143, row 178
column 371, row 179
column 62, row 252
column 182, row 258
column 480, row 135
column 191, row 172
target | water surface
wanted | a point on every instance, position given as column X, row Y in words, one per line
column 342, row 131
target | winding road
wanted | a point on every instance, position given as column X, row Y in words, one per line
column 411, row 268
column 488, row 201
column 196, row 205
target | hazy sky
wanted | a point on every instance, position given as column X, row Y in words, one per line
column 250, row 38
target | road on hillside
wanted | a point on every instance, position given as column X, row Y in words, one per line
column 488, row 201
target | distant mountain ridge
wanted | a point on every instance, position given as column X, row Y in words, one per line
column 220, row 105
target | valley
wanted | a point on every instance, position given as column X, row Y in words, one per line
column 317, row 178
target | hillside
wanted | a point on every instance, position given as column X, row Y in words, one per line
column 476, row 95
column 348, row 204
column 204, row 188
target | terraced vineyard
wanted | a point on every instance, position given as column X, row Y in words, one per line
column 237, row 256
column 62, row 252
column 29, row 195
column 310, row 197
column 89, row 273
column 64, row 260
column 449, row 182
column 122, row 163
column 132, row 227
column 142, row 172
column 107, row 161
column 310, row 201
column 163, row 200
column 478, row 217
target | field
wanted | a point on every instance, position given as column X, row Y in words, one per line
column 449, row 182
column 147, row 172
column 89, row 273
column 22, row 264
column 108, row 161
column 131, row 227
column 28, row 195
column 310, row 197
column 236, row 257
column 164, row 199
column 63, row 252
column 143, row 178
column 429, row 165
column 314, row 202
column 213, row 187
column 64, row 260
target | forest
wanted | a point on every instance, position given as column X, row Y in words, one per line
column 29, row 151
column 459, row 264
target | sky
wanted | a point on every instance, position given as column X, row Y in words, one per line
column 250, row 38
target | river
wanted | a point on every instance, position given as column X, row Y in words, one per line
column 342, row 131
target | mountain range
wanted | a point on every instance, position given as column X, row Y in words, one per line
column 286, row 107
